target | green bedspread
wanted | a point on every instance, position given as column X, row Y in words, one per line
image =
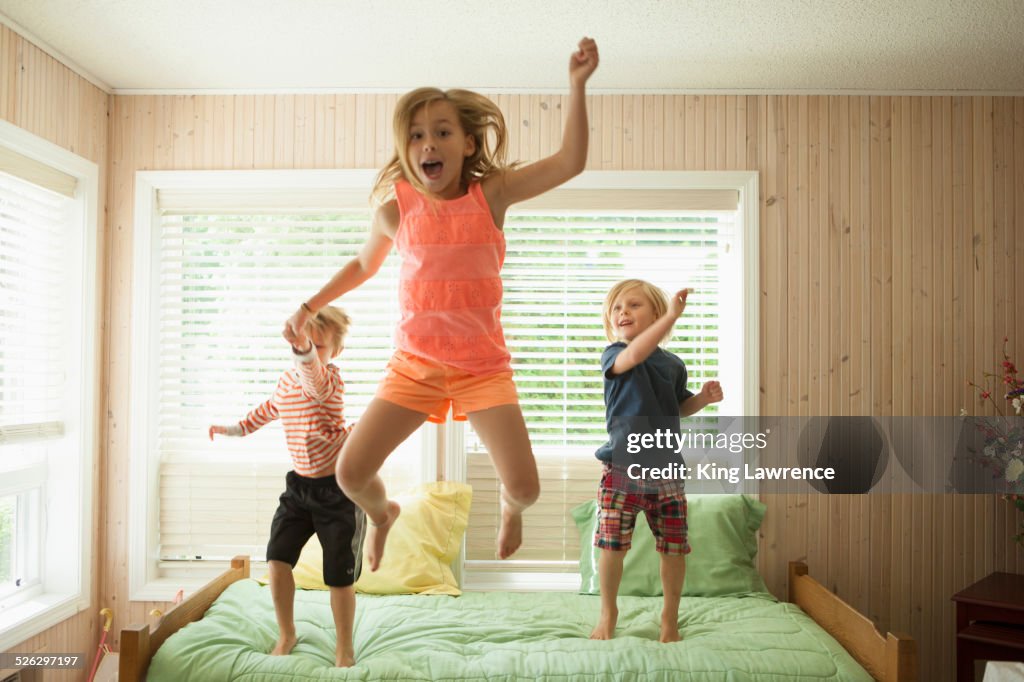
column 505, row 636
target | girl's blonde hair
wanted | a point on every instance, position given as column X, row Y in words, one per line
column 657, row 297
column 333, row 324
column 478, row 116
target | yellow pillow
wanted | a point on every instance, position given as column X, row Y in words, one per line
column 420, row 549
column 423, row 543
column 309, row 571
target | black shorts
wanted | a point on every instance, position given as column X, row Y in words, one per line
column 317, row 505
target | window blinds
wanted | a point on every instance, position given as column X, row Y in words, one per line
column 227, row 282
column 228, row 278
column 558, row 269
column 37, row 173
column 34, row 307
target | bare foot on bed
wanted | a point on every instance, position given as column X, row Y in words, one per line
column 605, row 628
column 377, row 535
column 670, row 632
column 510, row 535
column 284, row 646
column 344, row 659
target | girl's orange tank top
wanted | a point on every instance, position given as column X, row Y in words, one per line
column 450, row 281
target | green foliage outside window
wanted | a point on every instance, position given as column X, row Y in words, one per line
column 7, row 509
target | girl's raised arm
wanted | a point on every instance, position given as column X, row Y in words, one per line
column 523, row 183
column 356, row 271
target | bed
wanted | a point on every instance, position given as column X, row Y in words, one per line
column 222, row 631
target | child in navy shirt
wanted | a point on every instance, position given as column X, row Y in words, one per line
column 645, row 382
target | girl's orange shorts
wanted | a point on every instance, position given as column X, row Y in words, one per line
column 430, row 387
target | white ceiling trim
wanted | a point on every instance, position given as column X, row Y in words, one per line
column 55, row 53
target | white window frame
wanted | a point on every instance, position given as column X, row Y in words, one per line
column 65, row 554
column 444, row 444
column 145, row 583
column 503, row 575
column 26, row 486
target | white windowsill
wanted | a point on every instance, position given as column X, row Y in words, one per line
column 24, row 621
column 165, row 589
column 521, row 582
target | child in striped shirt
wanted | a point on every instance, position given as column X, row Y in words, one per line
column 308, row 400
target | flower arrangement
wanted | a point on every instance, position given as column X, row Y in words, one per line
column 1013, row 386
column 1004, row 435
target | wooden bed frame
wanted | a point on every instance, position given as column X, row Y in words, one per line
column 892, row 658
column 140, row 642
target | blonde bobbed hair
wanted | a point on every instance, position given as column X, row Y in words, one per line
column 657, row 298
column 332, row 322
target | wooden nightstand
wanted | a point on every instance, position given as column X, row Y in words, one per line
column 989, row 622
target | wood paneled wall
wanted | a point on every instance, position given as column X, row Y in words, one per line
column 42, row 96
column 890, row 227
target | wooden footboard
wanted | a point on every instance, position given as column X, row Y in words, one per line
column 892, row 658
column 140, row 642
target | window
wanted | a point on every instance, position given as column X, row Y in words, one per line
column 48, row 201
column 20, row 516
column 564, row 251
column 222, row 258
column 9, row 549
column 227, row 263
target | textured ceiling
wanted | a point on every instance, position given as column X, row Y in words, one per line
column 646, row 45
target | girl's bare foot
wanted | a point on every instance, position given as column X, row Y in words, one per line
column 377, row 534
column 605, row 628
column 510, row 535
column 344, row 659
column 284, row 645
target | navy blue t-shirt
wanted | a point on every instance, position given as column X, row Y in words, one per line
column 654, row 388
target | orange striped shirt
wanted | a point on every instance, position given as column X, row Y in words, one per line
column 309, row 402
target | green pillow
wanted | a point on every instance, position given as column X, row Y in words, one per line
column 722, row 533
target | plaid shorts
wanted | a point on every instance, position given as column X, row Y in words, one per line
column 617, row 510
